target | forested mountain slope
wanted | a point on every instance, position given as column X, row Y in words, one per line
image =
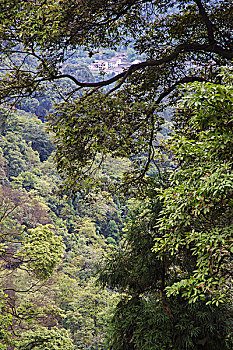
column 31, row 210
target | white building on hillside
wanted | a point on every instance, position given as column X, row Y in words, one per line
column 99, row 65
column 114, row 62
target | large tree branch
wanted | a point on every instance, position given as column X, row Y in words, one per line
column 182, row 48
column 207, row 21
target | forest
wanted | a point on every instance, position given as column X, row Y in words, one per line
column 116, row 186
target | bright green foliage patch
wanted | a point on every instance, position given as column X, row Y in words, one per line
column 43, row 249
column 45, row 339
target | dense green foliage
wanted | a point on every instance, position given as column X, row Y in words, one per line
column 197, row 212
column 178, row 42
column 174, row 264
column 146, row 317
column 43, row 338
column 50, row 247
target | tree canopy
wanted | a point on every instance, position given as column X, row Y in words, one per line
column 179, row 41
column 186, row 234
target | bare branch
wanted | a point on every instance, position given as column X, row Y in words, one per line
column 179, row 82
